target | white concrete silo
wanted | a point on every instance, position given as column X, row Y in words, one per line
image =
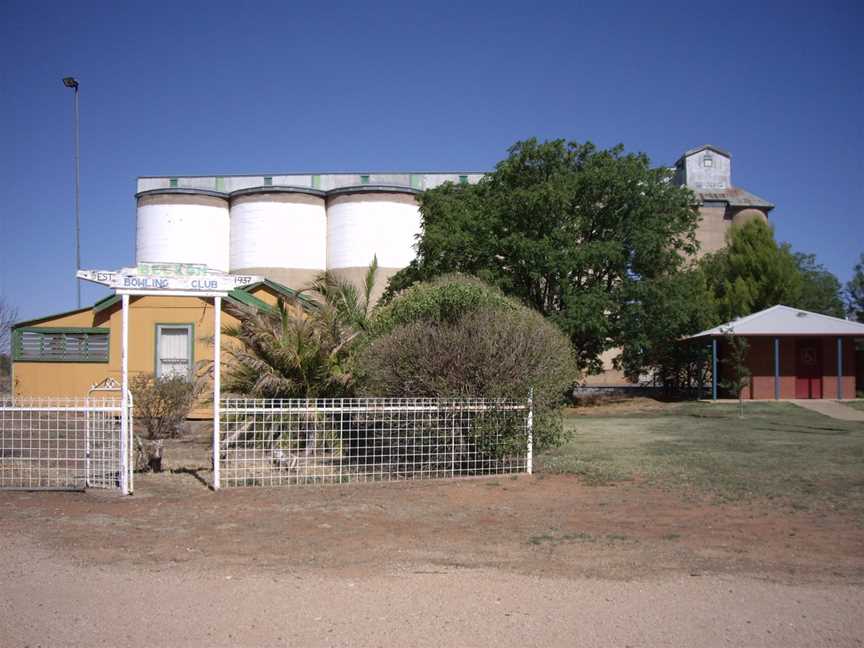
column 182, row 226
column 367, row 221
column 280, row 233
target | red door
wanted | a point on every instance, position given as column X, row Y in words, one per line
column 808, row 371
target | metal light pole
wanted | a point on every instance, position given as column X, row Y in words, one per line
column 71, row 82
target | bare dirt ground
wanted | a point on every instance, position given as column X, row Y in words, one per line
column 531, row 560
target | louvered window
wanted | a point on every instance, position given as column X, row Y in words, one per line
column 60, row 345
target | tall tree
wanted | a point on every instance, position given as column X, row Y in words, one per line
column 567, row 228
column 821, row 291
column 656, row 316
column 855, row 292
column 752, row 272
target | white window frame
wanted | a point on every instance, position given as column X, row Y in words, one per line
column 190, row 351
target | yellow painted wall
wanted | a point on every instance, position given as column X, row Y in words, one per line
column 76, row 378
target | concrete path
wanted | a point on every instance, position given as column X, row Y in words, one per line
column 834, row 409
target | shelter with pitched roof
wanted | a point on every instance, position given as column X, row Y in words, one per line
column 792, row 354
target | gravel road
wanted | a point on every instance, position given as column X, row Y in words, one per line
column 50, row 602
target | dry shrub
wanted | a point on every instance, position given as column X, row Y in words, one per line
column 491, row 350
column 162, row 404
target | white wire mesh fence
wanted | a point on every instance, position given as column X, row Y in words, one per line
column 284, row 442
column 60, row 443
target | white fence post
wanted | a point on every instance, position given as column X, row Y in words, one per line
column 87, row 433
column 131, row 443
column 124, row 397
column 529, row 461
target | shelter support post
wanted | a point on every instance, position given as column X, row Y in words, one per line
column 714, row 368
column 124, row 396
column 839, row 368
column 217, row 384
column 776, row 368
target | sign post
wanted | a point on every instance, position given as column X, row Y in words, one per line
column 173, row 279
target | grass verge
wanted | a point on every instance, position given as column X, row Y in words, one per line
column 778, row 451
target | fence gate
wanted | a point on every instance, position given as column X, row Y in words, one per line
column 61, row 443
column 282, row 442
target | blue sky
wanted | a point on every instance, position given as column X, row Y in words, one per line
column 205, row 88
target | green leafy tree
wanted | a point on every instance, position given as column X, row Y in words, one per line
column 752, row 272
column 566, row 228
column 855, row 292
column 821, row 291
column 655, row 318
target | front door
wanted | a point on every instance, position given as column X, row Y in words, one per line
column 808, row 371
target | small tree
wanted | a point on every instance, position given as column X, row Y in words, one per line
column 737, row 370
column 161, row 405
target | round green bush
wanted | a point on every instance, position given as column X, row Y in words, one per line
column 458, row 337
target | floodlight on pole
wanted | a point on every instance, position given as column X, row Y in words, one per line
column 72, row 82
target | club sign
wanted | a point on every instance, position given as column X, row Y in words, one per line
column 168, row 276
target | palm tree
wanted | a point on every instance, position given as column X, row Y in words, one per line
column 301, row 351
column 285, row 354
column 352, row 309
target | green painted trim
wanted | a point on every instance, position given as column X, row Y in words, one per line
column 173, row 183
column 220, row 183
column 281, row 289
column 191, row 355
column 72, row 330
column 364, row 179
column 316, row 181
column 106, row 302
column 416, row 181
column 65, row 329
column 463, row 179
column 247, row 299
column 268, row 181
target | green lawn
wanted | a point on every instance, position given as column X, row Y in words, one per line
column 801, row 458
column 857, row 404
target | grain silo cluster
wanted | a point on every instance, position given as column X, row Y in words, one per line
column 286, row 228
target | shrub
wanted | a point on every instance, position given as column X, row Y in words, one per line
column 444, row 300
column 162, row 404
column 459, row 337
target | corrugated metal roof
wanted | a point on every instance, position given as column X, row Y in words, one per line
column 784, row 320
column 736, row 197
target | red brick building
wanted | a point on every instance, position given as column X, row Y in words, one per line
column 792, row 354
